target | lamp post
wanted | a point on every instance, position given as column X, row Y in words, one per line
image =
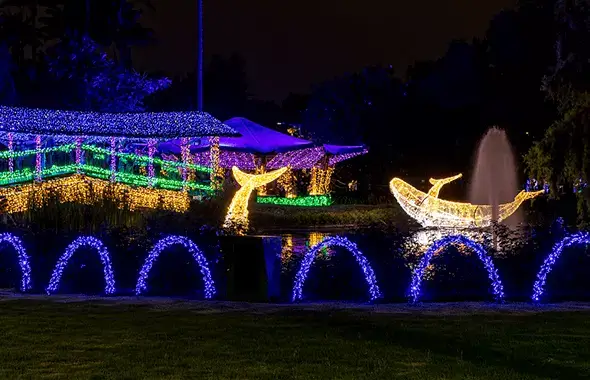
column 200, row 55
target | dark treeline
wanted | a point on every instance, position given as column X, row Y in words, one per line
column 526, row 75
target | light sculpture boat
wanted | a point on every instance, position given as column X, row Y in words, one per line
column 431, row 211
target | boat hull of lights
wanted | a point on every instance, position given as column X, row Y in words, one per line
column 431, row 211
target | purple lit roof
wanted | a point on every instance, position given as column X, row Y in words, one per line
column 258, row 139
column 345, row 149
column 254, row 139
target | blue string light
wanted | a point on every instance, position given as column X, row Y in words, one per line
column 63, row 262
column 415, row 286
column 191, row 247
column 162, row 125
column 23, row 259
column 547, row 266
column 335, row 241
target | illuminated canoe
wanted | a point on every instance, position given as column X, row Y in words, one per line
column 431, row 211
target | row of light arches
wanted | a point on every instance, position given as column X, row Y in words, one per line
column 374, row 293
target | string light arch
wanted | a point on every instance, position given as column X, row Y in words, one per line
column 160, row 246
column 418, row 274
column 97, row 245
column 580, row 238
column 335, row 241
column 23, row 259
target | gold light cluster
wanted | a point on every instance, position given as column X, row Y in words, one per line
column 216, row 170
column 237, row 213
column 261, row 169
column 320, row 180
column 87, row 190
column 288, row 183
column 431, row 211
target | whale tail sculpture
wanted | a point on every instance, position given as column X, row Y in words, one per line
column 431, row 211
column 237, row 213
column 439, row 183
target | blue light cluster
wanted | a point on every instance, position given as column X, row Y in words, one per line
column 142, row 125
column 192, row 248
column 415, row 286
column 580, row 238
column 547, row 266
column 23, row 259
column 335, row 241
column 73, row 247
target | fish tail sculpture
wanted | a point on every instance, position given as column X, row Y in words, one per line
column 439, row 183
column 237, row 213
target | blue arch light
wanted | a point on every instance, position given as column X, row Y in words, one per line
column 23, row 259
column 338, row 241
column 547, row 266
column 191, row 247
column 73, row 247
column 415, row 286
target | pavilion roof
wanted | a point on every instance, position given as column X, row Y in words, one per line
column 256, row 138
column 132, row 125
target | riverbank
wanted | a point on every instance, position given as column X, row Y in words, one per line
column 266, row 217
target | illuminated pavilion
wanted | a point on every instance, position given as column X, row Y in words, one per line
column 260, row 149
column 76, row 156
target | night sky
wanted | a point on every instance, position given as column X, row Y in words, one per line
column 290, row 45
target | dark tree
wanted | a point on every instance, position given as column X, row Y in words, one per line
column 8, row 94
column 562, row 156
column 84, row 77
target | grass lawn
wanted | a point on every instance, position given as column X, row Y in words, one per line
column 104, row 340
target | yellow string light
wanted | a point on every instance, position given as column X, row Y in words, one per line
column 216, row 171
column 320, row 180
column 430, row 211
column 87, row 190
column 287, row 183
column 261, row 169
column 316, row 238
column 237, row 213
column 287, row 250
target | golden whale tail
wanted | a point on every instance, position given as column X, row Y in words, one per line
column 439, row 183
column 237, row 213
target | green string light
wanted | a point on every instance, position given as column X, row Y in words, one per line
column 101, row 153
column 31, row 152
column 27, row 175
column 144, row 159
column 303, row 201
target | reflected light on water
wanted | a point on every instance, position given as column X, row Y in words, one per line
column 421, row 240
column 296, row 246
column 418, row 243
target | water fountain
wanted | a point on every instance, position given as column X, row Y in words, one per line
column 494, row 180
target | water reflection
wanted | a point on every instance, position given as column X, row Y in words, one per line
column 419, row 241
column 412, row 246
column 295, row 246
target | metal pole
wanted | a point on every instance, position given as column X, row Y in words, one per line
column 200, row 56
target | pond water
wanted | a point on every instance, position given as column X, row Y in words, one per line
column 454, row 273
